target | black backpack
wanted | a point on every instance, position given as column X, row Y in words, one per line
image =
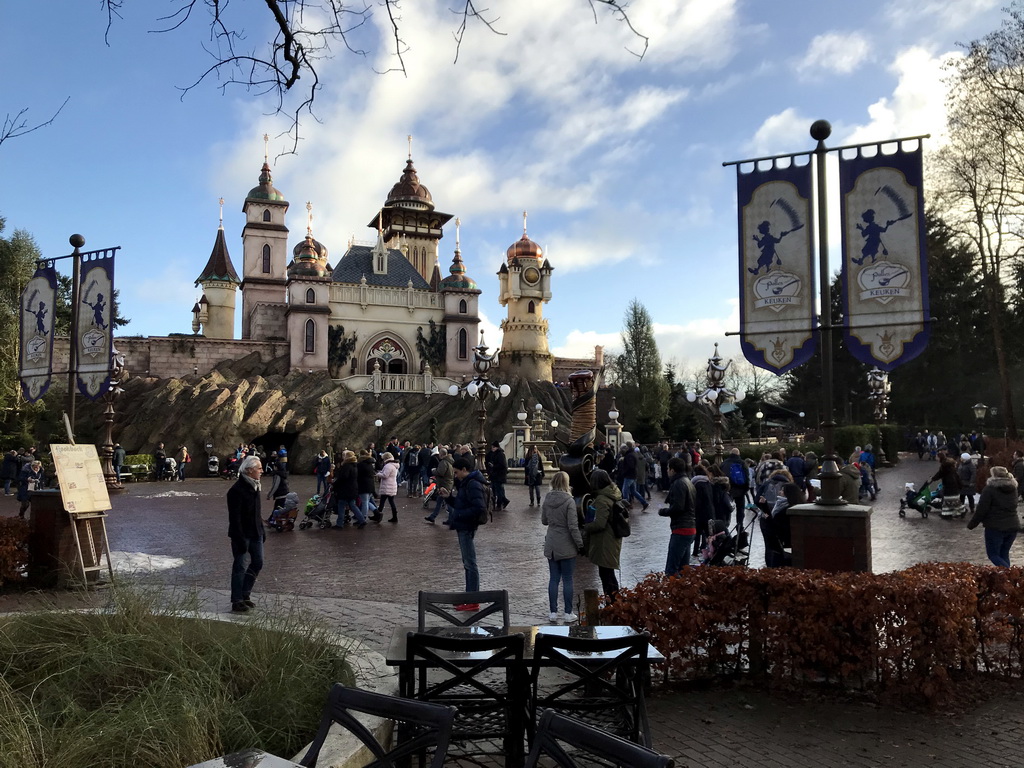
column 618, row 519
column 484, row 516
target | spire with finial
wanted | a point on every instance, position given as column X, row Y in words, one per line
column 524, row 223
column 266, row 148
column 409, row 137
column 458, row 224
column 309, row 219
column 221, row 213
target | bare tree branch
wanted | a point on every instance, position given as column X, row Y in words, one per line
column 18, row 125
column 298, row 46
column 618, row 10
column 469, row 11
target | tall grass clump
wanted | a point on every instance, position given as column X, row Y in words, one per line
column 149, row 682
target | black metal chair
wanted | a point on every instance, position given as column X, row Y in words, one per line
column 590, row 746
column 424, row 725
column 443, row 604
column 482, row 677
column 598, row 681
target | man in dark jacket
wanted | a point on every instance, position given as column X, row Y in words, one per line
column 245, row 529
column 682, row 511
column 468, row 506
column 497, row 471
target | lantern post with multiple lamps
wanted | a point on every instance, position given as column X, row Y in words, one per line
column 878, row 393
column 481, row 387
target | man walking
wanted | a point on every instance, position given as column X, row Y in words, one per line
column 444, row 476
column 245, row 529
column 469, row 505
column 497, row 471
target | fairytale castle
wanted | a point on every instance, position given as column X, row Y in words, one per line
column 382, row 318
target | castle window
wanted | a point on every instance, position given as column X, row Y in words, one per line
column 266, row 259
column 531, row 308
column 310, row 296
column 463, row 344
column 266, row 215
column 310, row 336
column 463, row 309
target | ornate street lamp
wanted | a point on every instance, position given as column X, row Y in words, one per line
column 879, row 388
column 759, row 416
column 714, row 395
column 520, row 431
column 482, row 389
column 378, row 424
column 613, row 429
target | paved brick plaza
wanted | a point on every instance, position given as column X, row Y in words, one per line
column 364, row 583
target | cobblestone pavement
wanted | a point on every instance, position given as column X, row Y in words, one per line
column 364, row 582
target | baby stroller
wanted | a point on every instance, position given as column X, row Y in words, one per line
column 721, row 547
column 283, row 517
column 922, row 501
column 212, row 466
column 318, row 511
column 429, row 493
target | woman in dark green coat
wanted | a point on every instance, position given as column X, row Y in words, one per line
column 603, row 547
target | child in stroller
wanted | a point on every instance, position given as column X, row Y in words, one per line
column 318, row 510
column 283, row 516
column 722, row 546
column 930, row 497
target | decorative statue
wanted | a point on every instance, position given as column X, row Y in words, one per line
column 578, row 459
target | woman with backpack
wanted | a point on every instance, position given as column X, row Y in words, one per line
column 534, row 472
column 603, row 547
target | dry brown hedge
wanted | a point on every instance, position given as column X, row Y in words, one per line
column 13, row 549
column 904, row 635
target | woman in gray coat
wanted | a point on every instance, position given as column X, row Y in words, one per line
column 562, row 543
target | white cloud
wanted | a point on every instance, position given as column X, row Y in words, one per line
column 947, row 14
column 918, row 102
column 777, row 132
column 833, row 53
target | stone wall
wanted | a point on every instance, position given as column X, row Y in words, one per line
column 166, row 357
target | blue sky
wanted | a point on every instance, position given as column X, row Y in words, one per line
column 617, row 160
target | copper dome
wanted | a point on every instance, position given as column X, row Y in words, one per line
column 266, row 189
column 409, row 187
column 524, row 248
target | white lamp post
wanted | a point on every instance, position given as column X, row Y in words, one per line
column 716, row 394
column 481, row 387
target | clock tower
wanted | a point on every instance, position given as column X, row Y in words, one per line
column 524, row 286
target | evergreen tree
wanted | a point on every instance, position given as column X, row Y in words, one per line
column 643, row 391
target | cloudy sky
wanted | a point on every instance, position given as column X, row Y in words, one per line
column 618, row 160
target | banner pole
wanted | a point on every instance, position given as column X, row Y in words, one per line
column 77, row 241
column 830, row 477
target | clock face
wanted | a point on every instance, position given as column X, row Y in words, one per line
column 531, row 275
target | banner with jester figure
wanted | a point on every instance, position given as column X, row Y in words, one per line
column 777, row 314
column 885, row 266
column 35, row 364
column 95, row 323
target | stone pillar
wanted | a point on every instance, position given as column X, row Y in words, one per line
column 831, row 537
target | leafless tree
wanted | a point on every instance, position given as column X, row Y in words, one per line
column 979, row 173
column 306, row 32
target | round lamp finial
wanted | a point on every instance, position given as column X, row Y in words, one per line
column 77, row 241
column 821, row 130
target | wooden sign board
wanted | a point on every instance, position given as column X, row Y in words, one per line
column 82, row 487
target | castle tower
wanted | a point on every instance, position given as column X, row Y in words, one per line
column 461, row 315
column 220, row 282
column 409, row 222
column 524, row 286
column 308, row 313
column 264, row 259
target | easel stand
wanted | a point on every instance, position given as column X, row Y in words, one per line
column 90, row 528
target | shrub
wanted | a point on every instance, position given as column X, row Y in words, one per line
column 149, row 682
column 13, row 550
column 902, row 634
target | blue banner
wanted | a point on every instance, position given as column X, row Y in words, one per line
column 95, row 340
column 885, row 264
column 776, row 266
column 35, row 358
